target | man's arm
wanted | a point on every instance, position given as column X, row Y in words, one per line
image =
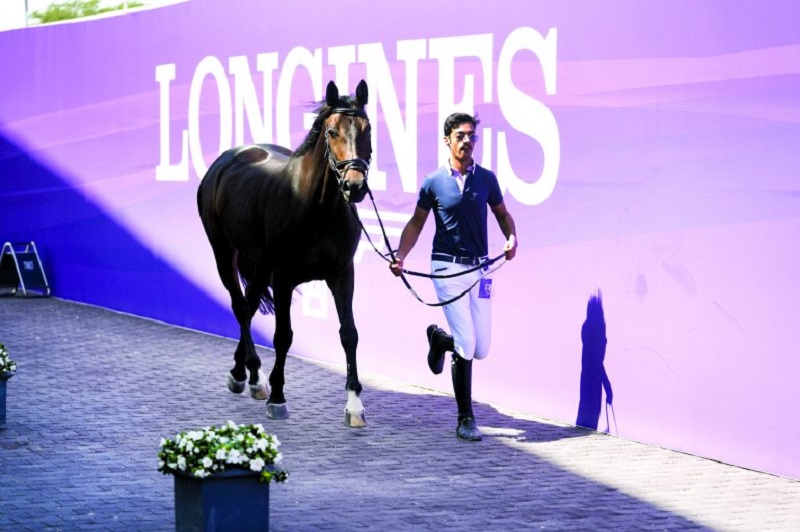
column 508, row 227
column 408, row 238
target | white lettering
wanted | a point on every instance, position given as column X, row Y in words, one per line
column 403, row 137
column 312, row 62
column 166, row 171
column 245, row 100
column 209, row 66
column 340, row 58
column 395, row 102
column 446, row 50
column 528, row 115
column 315, row 300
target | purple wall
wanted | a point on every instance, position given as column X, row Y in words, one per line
column 646, row 151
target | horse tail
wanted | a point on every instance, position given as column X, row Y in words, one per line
column 247, row 269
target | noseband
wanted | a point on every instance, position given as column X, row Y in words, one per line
column 342, row 167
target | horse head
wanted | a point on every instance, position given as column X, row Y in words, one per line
column 348, row 140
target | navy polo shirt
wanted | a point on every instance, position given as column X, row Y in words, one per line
column 460, row 217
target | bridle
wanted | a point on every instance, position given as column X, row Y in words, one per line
column 340, row 168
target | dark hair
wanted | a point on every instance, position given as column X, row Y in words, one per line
column 456, row 119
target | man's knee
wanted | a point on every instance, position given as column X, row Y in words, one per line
column 465, row 350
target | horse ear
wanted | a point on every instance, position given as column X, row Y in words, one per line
column 332, row 95
column 362, row 94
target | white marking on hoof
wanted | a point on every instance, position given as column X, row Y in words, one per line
column 275, row 411
column 354, row 411
column 355, row 421
column 260, row 390
column 234, row 385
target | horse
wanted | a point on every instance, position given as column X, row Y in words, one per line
column 276, row 219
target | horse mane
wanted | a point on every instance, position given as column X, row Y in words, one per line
column 323, row 112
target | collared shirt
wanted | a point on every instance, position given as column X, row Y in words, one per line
column 460, row 215
column 460, row 179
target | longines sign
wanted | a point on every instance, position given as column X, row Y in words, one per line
column 241, row 106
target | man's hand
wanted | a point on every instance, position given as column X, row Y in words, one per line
column 396, row 267
column 510, row 248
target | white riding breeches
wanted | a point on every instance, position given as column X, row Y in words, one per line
column 469, row 318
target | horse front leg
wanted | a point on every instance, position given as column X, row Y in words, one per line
column 342, row 290
column 282, row 340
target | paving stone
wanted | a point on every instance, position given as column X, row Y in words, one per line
column 97, row 390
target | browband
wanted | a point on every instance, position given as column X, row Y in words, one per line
column 349, row 111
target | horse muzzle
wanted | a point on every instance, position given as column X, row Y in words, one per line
column 353, row 179
column 354, row 190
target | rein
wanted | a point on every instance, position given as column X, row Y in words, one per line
column 482, row 266
column 362, row 165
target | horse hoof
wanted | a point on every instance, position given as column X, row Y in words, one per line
column 234, row 385
column 355, row 420
column 275, row 411
column 259, row 391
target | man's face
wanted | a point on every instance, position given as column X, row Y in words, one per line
column 462, row 141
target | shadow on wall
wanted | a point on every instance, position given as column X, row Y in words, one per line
column 89, row 257
column 593, row 372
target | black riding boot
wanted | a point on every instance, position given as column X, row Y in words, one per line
column 440, row 342
column 462, row 386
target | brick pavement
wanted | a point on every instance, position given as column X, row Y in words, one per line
column 96, row 390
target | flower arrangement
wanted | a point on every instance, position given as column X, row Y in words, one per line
column 202, row 453
column 6, row 364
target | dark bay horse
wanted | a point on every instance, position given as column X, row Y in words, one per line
column 276, row 219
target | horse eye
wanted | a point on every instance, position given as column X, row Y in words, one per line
column 333, row 133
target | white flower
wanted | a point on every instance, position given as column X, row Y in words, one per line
column 6, row 364
column 205, row 452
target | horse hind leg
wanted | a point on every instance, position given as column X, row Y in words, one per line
column 256, row 288
column 277, row 407
column 226, row 259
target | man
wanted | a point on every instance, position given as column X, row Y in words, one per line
column 458, row 193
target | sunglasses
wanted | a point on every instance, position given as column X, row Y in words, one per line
column 461, row 136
